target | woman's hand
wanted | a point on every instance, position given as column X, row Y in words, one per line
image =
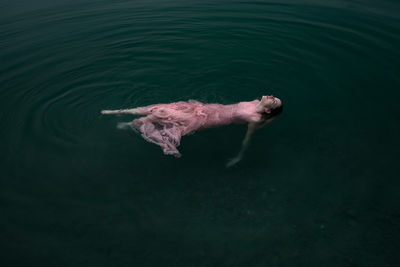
column 233, row 161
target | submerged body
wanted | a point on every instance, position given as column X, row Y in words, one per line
column 165, row 124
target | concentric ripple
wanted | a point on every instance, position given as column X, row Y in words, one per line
column 61, row 66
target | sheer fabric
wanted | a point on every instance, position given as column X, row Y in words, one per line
column 167, row 123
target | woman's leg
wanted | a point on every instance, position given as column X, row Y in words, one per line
column 124, row 125
column 133, row 111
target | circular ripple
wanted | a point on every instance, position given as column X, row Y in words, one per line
column 62, row 66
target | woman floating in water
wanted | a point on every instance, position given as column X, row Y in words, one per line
column 165, row 124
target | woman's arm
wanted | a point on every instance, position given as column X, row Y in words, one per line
column 250, row 130
column 252, row 127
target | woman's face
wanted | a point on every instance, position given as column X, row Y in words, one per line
column 269, row 102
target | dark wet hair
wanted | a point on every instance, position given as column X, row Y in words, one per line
column 274, row 113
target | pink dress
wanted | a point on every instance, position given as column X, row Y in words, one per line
column 165, row 124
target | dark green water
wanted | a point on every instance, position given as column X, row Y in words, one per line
column 318, row 187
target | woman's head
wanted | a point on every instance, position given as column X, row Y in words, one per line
column 270, row 106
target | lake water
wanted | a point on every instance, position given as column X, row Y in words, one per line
column 318, row 187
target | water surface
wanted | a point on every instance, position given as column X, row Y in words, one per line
column 319, row 186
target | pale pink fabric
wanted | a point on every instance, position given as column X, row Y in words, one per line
column 167, row 123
